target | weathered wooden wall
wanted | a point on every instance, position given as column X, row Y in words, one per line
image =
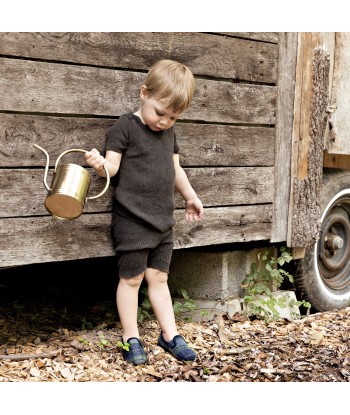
column 65, row 90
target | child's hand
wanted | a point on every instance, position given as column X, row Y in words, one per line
column 194, row 210
column 94, row 159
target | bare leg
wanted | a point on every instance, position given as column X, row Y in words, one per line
column 160, row 298
column 127, row 303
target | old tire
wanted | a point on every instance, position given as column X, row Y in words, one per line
column 323, row 275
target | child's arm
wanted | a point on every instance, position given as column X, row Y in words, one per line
column 194, row 208
column 97, row 162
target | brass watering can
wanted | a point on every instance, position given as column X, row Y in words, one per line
column 69, row 188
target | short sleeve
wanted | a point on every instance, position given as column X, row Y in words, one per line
column 176, row 146
column 117, row 137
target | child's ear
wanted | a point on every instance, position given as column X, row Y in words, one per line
column 143, row 92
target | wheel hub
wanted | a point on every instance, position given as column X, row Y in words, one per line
column 334, row 242
column 334, row 247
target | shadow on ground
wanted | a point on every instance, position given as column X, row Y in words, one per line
column 38, row 299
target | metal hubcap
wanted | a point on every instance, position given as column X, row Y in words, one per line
column 334, row 245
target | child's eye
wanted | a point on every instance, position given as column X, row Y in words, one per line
column 159, row 113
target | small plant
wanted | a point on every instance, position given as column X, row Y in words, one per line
column 184, row 307
column 17, row 306
column 103, row 342
column 84, row 341
column 86, row 325
column 144, row 311
column 204, row 313
column 265, row 277
column 124, row 346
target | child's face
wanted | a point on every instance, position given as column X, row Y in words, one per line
column 156, row 114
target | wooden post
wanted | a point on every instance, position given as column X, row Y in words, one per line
column 337, row 140
column 287, row 56
column 314, row 64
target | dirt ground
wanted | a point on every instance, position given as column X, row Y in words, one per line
column 67, row 330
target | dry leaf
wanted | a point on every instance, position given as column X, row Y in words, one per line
column 312, row 349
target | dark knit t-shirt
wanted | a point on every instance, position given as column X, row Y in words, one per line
column 144, row 185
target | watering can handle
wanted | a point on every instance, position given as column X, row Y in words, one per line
column 78, row 150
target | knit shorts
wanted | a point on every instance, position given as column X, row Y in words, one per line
column 133, row 263
column 139, row 246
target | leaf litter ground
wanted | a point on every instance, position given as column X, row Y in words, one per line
column 54, row 334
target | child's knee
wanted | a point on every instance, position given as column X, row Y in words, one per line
column 153, row 275
column 132, row 281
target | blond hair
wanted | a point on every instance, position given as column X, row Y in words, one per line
column 172, row 81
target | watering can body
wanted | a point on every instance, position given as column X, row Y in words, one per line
column 69, row 188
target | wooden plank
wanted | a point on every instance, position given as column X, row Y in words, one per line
column 44, row 239
column 338, row 141
column 206, row 54
column 23, row 192
column 200, row 144
column 314, row 65
column 19, row 133
column 284, row 128
column 39, row 87
column 224, row 225
column 272, row 37
column 336, row 161
column 232, row 186
column 225, row 145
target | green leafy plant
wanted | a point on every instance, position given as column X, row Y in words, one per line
column 86, row 325
column 84, row 341
column 124, row 346
column 144, row 311
column 17, row 306
column 204, row 313
column 181, row 307
column 266, row 276
column 103, row 342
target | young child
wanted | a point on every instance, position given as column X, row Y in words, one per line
column 141, row 147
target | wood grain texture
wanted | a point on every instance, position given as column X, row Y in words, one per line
column 284, row 130
column 206, row 54
column 23, row 192
column 200, row 144
column 41, row 87
column 65, row 90
column 272, row 37
column 338, row 137
column 50, row 240
column 311, row 100
column 336, row 161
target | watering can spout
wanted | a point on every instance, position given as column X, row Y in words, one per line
column 46, row 167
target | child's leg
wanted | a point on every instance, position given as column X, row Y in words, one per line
column 160, row 298
column 127, row 304
column 159, row 295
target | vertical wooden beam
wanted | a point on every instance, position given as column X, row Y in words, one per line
column 287, row 57
column 314, row 64
column 338, row 141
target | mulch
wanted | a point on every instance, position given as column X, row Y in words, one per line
column 77, row 341
column 66, row 329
